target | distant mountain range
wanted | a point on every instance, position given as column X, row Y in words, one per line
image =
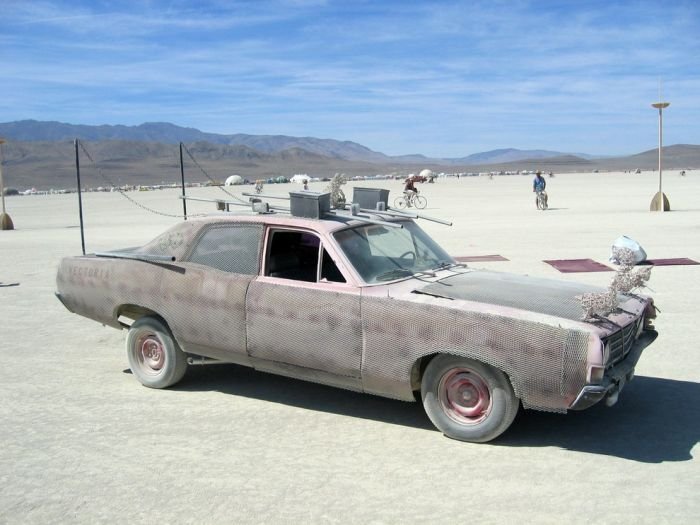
column 166, row 133
column 42, row 155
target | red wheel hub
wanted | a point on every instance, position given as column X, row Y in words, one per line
column 465, row 396
column 151, row 353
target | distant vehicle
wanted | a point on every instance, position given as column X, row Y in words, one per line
column 367, row 302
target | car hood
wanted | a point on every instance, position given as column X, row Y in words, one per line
column 534, row 294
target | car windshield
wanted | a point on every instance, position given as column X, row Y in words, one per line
column 381, row 253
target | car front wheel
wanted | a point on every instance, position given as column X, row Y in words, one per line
column 155, row 358
column 466, row 399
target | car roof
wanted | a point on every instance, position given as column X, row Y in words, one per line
column 177, row 240
column 331, row 223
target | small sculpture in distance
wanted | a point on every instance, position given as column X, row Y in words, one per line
column 337, row 195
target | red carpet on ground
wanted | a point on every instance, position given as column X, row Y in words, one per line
column 480, row 258
column 669, row 262
column 578, row 265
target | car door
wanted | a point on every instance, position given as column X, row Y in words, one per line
column 303, row 311
column 206, row 303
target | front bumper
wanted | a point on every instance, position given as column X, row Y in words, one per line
column 615, row 378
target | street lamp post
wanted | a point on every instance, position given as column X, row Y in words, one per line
column 5, row 220
column 659, row 202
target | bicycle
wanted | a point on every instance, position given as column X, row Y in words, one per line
column 541, row 200
column 415, row 200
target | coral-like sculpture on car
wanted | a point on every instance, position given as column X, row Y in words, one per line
column 626, row 279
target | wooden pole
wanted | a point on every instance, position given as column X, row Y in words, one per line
column 5, row 220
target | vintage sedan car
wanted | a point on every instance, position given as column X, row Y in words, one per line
column 365, row 301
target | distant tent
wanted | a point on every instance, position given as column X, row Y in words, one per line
column 281, row 180
column 234, row 180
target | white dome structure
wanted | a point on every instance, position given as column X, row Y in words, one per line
column 426, row 173
column 234, row 180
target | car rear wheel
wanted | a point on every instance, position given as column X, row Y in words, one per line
column 466, row 399
column 155, row 358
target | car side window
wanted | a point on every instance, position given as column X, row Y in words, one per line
column 329, row 270
column 296, row 255
column 230, row 248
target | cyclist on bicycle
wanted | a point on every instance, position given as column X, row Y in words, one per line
column 538, row 186
column 409, row 190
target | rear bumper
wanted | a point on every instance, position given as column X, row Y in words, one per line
column 60, row 298
column 615, row 378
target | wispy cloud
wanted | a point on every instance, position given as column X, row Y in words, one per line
column 451, row 77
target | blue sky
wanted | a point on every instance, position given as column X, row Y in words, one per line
column 444, row 79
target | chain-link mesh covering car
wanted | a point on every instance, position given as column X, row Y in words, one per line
column 360, row 300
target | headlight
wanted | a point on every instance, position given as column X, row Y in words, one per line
column 596, row 374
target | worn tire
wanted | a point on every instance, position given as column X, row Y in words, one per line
column 155, row 358
column 466, row 399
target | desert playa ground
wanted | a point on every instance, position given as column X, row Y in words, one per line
column 82, row 441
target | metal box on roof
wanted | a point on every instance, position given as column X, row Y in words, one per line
column 309, row 204
column 368, row 198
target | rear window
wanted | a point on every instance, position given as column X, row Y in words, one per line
column 230, row 248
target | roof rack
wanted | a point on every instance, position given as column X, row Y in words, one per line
column 316, row 205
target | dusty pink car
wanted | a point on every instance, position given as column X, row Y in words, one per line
column 366, row 302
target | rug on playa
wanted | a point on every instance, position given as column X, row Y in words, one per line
column 679, row 261
column 480, row 258
column 578, row 265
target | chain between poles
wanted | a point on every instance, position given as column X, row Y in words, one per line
column 122, row 192
column 189, row 154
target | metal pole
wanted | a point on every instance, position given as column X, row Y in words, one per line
column 659, row 201
column 80, row 197
column 661, row 119
column 182, row 176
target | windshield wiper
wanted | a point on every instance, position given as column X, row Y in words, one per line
column 443, row 265
column 396, row 273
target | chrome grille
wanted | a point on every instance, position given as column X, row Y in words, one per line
column 621, row 342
